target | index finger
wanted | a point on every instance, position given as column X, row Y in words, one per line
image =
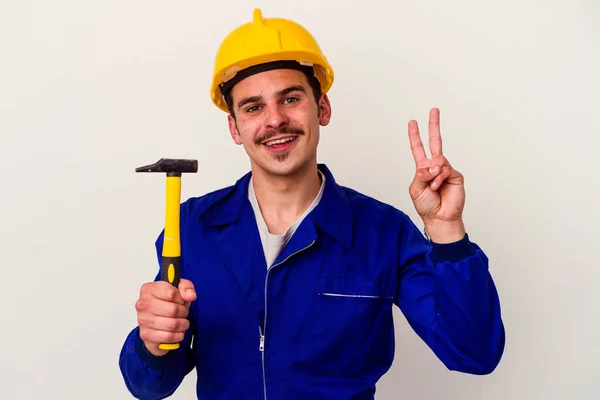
column 416, row 146
column 435, row 137
column 165, row 291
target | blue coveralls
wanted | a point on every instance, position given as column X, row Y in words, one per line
column 317, row 324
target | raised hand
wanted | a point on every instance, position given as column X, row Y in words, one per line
column 437, row 189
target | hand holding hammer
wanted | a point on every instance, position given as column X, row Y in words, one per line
column 163, row 306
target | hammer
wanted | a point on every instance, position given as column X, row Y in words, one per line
column 171, row 250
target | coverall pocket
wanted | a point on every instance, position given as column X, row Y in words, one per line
column 353, row 324
column 355, row 288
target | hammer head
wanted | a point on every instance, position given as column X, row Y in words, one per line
column 170, row 166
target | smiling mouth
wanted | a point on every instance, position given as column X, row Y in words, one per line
column 271, row 143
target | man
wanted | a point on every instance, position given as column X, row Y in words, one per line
column 289, row 279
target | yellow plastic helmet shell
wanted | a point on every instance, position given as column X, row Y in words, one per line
column 266, row 40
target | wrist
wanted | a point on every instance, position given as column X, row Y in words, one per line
column 445, row 231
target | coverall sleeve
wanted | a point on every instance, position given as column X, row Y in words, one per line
column 449, row 298
column 151, row 377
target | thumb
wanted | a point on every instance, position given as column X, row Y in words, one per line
column 187, row 290
column 425, row 175
column 422, row 179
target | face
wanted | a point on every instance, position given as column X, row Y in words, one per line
column 277, row 120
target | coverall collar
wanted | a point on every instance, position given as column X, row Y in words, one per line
column 332, row 215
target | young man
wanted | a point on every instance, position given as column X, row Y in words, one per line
column 289, row 279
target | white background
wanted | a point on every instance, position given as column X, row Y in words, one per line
column 91, row 90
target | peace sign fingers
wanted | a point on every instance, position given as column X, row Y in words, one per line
column 435, row 137
column 416, row 146
column 437, row 189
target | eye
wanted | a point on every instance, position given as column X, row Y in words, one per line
column 290, row 100
column 252, row 109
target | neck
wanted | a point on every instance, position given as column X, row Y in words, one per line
column 283, row 199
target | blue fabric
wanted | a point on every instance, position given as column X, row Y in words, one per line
column 325, row 307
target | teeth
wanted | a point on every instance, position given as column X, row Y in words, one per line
column 271, row 143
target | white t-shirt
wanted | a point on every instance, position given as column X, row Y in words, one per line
column 273, row 244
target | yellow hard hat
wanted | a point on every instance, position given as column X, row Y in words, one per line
column 266, row 40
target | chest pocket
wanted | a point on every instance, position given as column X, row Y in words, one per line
column 352, row 326
column 355, row 288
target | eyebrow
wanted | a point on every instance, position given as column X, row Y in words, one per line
column 252, row 99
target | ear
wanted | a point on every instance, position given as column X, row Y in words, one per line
column 324, row 110
column 233, row 130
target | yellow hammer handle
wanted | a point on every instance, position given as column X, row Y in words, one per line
column 171, row 251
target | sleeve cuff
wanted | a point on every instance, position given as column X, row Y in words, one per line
column 155, row 363
column 452, row 252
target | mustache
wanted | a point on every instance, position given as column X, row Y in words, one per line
column 288, row 130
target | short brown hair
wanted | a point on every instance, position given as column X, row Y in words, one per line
column 307, row 70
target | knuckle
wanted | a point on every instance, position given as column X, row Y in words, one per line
column 141, row 304
column 142, row 320
column 172, row 337
column 173, row 294
column 177, row 336
column 172, row 324
column 184, row 311
column 145, row 335
column 180, row 325
column 147, row 320
column 173, row 310
column 170, row 294
column 160, row 286
column 146, row 287
column 185, row 325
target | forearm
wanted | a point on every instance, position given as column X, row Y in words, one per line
column 469, row 334
column 449, row 298
column 148, row 376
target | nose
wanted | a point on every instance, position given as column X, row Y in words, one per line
column 275, row 117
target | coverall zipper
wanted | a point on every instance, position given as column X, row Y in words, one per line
column 262, row 331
